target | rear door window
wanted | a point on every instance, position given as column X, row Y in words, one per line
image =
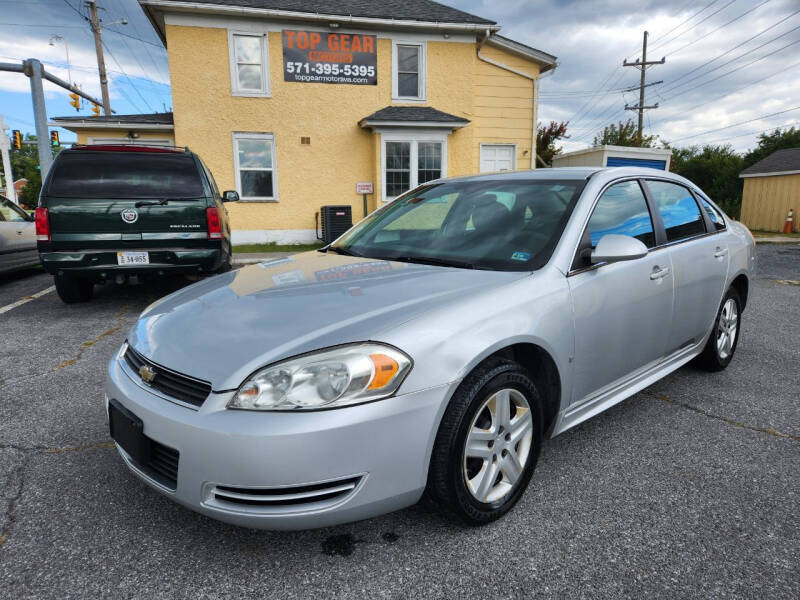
column 713, row 214
column 125, row 175
column 622, row 210
column 679, row 211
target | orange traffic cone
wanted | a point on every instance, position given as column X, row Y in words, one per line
column 787, row 227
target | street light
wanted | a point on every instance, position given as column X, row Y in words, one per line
column 53, row 38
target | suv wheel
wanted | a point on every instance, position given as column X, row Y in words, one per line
column 487, row 444
column 74, row 289
column 724, row 336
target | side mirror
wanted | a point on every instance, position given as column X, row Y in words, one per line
column 230, row 196
column 614, row 248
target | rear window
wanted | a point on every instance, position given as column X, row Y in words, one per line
column 125, row 175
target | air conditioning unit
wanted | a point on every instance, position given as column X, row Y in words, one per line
column 335, row 220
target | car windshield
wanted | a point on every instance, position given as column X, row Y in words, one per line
column 125, row 175
column 510, row 225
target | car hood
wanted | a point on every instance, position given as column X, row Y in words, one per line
column 224, row 328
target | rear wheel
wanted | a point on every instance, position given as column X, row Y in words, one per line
column 724, row 337
column 487, row 444
column 73, row 289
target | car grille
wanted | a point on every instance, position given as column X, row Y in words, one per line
column 181, row 387
column 285, row 499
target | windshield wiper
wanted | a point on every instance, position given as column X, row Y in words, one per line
column 142, row 203
column 429, row 260
column 343, row 251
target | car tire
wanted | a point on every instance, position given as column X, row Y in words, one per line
column 74, row 289
column 225, row 266
column 724, row 337
column 455, row 476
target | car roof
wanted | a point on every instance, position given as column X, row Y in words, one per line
column 570, row 173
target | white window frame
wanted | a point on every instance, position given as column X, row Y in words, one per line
column 503, row 144
column 265, row 91
column 422, row 69
column 414, row 138
column 255, row 136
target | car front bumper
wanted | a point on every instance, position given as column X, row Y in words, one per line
column 380, row 451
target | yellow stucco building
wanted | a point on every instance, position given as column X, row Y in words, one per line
column 292, row 106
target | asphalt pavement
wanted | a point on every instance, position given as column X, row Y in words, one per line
column 688, row 489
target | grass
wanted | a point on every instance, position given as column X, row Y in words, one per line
column 261, row 248
column 758, row 234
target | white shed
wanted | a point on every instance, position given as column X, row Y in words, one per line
column 615, row 156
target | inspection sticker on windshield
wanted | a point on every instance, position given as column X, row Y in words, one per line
column 523, row 256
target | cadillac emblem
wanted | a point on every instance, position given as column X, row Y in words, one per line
column 129, row 215
column 147, row 373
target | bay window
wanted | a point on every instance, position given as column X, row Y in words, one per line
column 409, row 161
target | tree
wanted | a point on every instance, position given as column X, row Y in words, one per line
column 623, row 134
column 546, row 138
column 25, row 165
column 770, row 142
column 715, row 169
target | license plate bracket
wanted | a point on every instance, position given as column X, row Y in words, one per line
column 128, row 431
column 133, row 258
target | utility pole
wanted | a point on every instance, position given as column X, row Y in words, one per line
column 94, row 21
column 5, row 145
column 642, row 66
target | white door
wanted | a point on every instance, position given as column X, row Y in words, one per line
column 497, row 157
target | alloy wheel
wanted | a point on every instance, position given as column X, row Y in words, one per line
column 498, row 445
column 727, row 328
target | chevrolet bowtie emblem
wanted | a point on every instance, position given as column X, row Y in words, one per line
column 147, row 373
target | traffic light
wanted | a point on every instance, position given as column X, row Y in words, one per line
column 76, row 100
column 96, row 110
column 16, row 139
column 54, row 139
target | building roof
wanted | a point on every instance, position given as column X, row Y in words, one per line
column 143, row 121
column 780, row 162
column 545, row 60
column 425, row 11
column 412, row 116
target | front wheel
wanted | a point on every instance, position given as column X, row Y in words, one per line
column 487, row 444
column 73, row 289
column 724, row 338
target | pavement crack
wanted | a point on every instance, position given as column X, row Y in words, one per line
column 120, row 317
column 14, row 500
column 727, row 420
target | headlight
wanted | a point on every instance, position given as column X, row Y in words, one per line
column 328, row 379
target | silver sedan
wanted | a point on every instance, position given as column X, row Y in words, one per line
column 429, row 350
column 17, row 238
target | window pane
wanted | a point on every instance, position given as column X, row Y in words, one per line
column 9, row 213
column 713, row 213
column 256, row 184
column 249, row 77
column 398, row 155
column 255, row 154
column 622, row 210
column 248, row 49
column 429, row 161
column 408, row 59
column 408, row 85
column 679, row 211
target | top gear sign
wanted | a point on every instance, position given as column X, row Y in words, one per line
column 321, row 57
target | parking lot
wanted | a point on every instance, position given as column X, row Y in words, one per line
column 690, row 488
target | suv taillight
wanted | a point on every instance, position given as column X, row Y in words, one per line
column 42, row 225
column 213, row 223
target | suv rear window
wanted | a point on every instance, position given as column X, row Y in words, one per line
column 125, row 175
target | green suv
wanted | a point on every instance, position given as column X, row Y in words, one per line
column 108, row 212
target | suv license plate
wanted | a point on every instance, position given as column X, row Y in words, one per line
column 133, row 258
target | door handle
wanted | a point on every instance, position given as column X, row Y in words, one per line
column 720, row 252
column 659, row 272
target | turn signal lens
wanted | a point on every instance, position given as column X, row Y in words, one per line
column 327, row 379
column 214, row 224
column 385, row 369
column 42, row 225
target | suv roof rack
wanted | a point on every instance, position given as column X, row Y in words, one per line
column 130, row 148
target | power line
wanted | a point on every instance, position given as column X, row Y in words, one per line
column 702, row 37
column 135, row 89
column 688, row 137
column 681, row 24
column 734, row 48
column 703, row 20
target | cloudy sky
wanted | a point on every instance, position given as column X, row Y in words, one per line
column 732, row 66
